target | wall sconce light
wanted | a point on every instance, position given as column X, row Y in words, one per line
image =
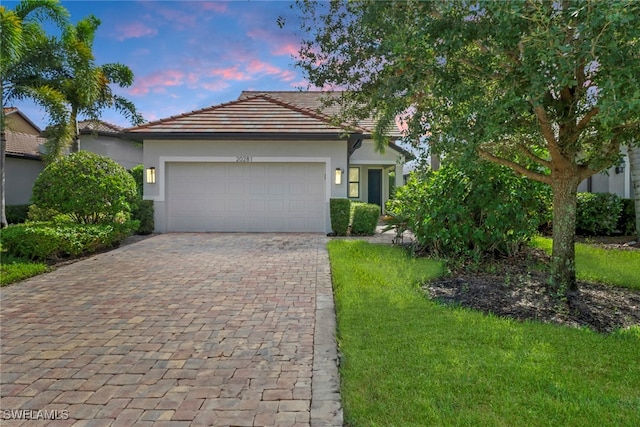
column 338, row 179
column 620, row 167
column 151, row 175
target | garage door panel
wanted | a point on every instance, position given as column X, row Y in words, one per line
column 245, row 197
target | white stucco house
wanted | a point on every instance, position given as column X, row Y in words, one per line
column 616, row 179
column 266, row 162
column 22, row 156
column 23, row 160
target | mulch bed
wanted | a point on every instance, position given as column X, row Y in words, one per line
column 517, row 290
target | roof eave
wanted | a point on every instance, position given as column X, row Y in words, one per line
column 24, row 156
column 140, row 136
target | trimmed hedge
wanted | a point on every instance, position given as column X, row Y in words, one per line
column 597, row 214
column 627, row 221
column 143, row 212
column 16, row 214
column 50, row 241
column 340, row 211
column 365, row 219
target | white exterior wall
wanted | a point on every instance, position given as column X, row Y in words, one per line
column 366, row 157
column 125, row 152
column 20, row 174
column 611, row 182
column 157, row 153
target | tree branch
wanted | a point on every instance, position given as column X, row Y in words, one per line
column 533, row 157
column 536, row 176
column 584, row 121
column 547, row 131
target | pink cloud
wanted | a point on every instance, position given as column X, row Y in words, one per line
column 182, row 19
column 286, row 49
column 231, row 73
column 216, row 6
column 258, row 67
column 157, row 82
column 134, row 30
column 214, row 86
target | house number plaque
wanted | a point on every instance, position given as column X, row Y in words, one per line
column 244, row 159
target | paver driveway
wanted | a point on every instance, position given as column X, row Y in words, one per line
column 177, row 329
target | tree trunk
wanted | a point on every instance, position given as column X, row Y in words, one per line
column 75, row 146
column 563, row 256
column 634, row 167
column 3, row 150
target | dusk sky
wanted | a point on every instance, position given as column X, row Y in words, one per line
column 187, row 55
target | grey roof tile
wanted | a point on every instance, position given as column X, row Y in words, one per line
column 261, row 113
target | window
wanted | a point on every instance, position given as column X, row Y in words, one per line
column 354, row 182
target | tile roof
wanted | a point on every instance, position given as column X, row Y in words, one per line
column 314, row 100
column 99, row 126
column 7, row 111
column 259, row 114
column 21, row 144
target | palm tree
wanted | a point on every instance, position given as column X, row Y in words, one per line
column 22, row 39
column 85, row 86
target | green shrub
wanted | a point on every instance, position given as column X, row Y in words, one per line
column 597, row 213
column 137, row 172
column 50, row 241
column 143, row 212
column 340, row 211
column 16, row 214
column 627, row 221
column 470, row 210
column 90, row 188
column 38, row 214
column 365, row 219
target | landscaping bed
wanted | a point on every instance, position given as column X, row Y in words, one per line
column 518, row 291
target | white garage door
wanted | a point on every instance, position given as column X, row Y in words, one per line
column 246, row 197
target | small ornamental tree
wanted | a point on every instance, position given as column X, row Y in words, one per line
column 88, row 187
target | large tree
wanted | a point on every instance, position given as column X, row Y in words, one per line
column 24, row 48
column 85, row 86
column 634, row 165
column 549, row 89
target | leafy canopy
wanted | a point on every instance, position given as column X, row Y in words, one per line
column 526, row 83
column 548, row 89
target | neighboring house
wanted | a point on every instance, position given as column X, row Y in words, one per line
column 616, row 179
column 269, row 161
column 107, row 140
column 22, row 157
column 23, row 161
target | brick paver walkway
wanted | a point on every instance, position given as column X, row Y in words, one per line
column 175, row 330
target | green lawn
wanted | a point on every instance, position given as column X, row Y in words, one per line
column 408, row 361
column 14, row 269
column 608, row 266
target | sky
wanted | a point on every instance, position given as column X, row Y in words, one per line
column 187, row 55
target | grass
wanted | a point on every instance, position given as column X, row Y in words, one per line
column 14, row 269
column 608, row 266
column 408, row 361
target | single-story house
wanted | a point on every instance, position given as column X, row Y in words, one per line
column 266, row 162
column 23, row 156
column 108, row 140
column 616, row 179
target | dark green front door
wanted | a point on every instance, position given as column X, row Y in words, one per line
column 375, row 187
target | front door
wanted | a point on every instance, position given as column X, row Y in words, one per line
column 375, row 187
